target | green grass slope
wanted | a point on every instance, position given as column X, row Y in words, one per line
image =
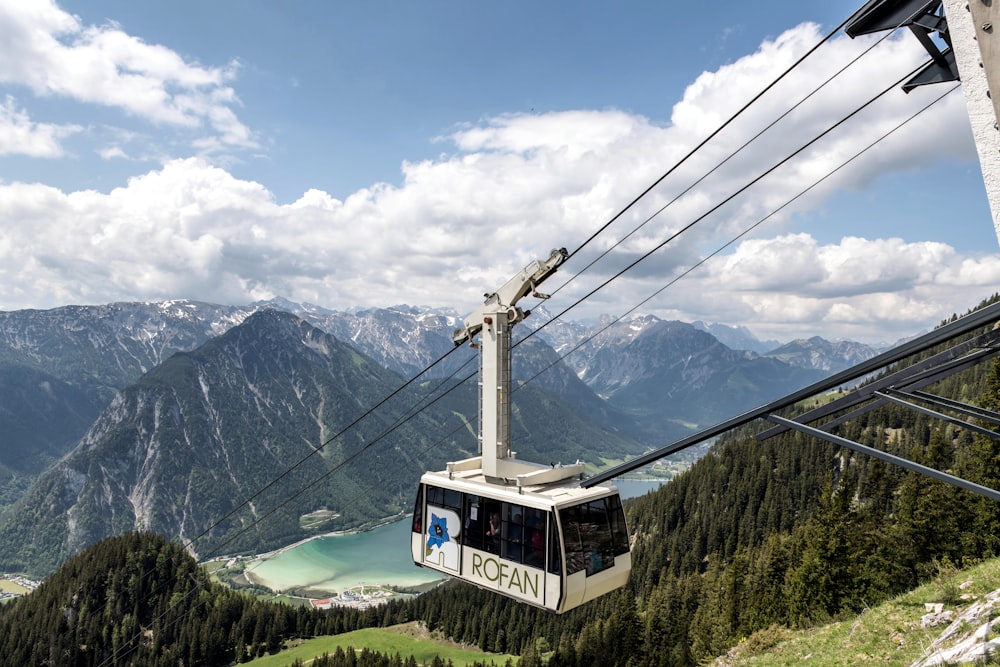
column 406, row 639
column 889, row 634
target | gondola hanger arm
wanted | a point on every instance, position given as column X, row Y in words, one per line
column 505, row 299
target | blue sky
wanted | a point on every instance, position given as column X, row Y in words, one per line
column 369, row 154
column 342, row 92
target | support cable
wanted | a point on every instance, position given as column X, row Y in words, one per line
column 732, row 118
column 701, row 145
column 579, row 301
column 739, row 236
column 289, row 470
column 725, row 160
column 728, row 199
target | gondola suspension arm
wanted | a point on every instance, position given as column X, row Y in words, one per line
column 493, row 322
column 504, row 300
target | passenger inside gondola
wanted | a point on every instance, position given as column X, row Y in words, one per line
column 493, row 533
column 535, row 549
column 512, row 530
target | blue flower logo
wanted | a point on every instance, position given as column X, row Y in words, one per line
column 438, row 531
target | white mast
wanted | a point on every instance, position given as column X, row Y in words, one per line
column 495, row 320
column 969, row 32
column 975, row 31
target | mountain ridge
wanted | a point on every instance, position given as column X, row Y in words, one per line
column 172, row 427
column 660, row 380
column 206, row 429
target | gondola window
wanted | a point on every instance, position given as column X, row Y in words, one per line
column 591, row 535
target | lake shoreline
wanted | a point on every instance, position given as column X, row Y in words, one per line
column 266, row 555
column 376, row 554
column 363, row 554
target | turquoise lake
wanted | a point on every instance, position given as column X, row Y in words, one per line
column 379, row 556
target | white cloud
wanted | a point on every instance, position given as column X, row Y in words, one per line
column 796, row 264
column 50, row 52
column 858, row 287
column 575, row 132
column 515, row 187
column 20, row 136
column 111, row 152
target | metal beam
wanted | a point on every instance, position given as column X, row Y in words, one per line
column 890, row 458
column 882, row 15
column 876, row 401
column 962, row 408
column 975, row 320
column 941, row 69
column 939, row 415
column 915, row 376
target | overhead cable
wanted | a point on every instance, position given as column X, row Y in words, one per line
column 722, row 203
column 694, row 150
column 733, row 240
column 725, row 160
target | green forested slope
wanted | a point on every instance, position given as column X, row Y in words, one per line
column 140, row 600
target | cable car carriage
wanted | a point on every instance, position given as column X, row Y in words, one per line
column 551, row 545
column 524, row 530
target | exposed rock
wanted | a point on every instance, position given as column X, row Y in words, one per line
column 936, row 618
column 966, row 638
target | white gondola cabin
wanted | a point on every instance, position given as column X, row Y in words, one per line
column 554, row 546
column 524, row 530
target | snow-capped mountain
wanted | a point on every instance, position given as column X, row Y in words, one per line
column 816, row 352
column 737, row 338
column 68, row 371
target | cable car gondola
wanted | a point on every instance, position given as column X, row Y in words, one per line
column 524, row 530
column 553, row 545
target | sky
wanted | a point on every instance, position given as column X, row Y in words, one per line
column 369, row 154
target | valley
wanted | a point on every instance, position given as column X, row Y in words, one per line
column 253, row 389
column 326, row 565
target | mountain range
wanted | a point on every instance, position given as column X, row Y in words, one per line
column 216, row 425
